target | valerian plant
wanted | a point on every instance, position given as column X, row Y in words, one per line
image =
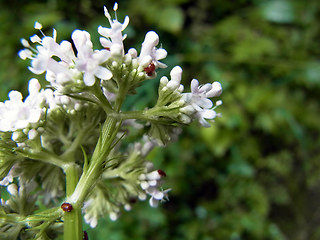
column 64, row 157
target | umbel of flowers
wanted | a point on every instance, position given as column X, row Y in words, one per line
column 67, row 143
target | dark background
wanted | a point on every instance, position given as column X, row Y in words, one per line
column 255, row 173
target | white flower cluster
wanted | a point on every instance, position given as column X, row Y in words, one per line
column 63, row 66
column 195, row 105
column 96, row 206
column 150, row 182
column 137, row 179
column 198, row 104
column 23, row 118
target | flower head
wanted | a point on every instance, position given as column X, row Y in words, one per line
column 198, row 103
column 112, row 37
column 17, row 115
column 60, row 62
column 149, row 54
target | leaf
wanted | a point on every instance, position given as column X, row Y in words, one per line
column 171, row 19
column 163, row 133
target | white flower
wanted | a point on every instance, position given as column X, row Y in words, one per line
column 197, row 102
column 150, row 181
column 175, row 74
column 157, row 196
column 112, row 37
column 149, row 53
column 88, row 61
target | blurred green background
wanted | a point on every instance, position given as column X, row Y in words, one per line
column 255, row 173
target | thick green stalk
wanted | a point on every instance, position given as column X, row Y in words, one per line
column 89, row 178
column 72, row 219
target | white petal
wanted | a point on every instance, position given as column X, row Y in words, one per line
column 105, row 42
column 144, row 185
column 113, row 216
column 101, row 56
column 153, row 202
column 215, row 91
column 205, row 88
column 34, row 86
column 151, row 38
column 154, row 175
column 37, row 26
column 103, row 73
column 32, row 134
column 34, row 116
column 176, row 74
column 204, row 123
column 158, row 195
column 15, row 96
column 149, row 43
column 209, row 114
column 153, row 183
column 35, row 71
column 145, row 61
column 35, row 39
column 93, row 222
column 161, row 53
column 205, row 103
column 24, row 54
column 125, row 23
column 133, row 52
column 88, row 79
column 24, row 43
column 194, row 85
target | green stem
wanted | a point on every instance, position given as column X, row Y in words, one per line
column 44, row 156
column 68, row 154
column 152, row 114
column 104, row 103
column 89, row 178
column 72, row 219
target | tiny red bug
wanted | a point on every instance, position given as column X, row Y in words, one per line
column 150, row 69
column 66, row 207
column 162, row 173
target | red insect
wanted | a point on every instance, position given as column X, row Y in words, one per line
column 162, row 173
column 150, row 69
column 66, row 207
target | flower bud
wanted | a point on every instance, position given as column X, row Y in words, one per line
column 215, row 91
